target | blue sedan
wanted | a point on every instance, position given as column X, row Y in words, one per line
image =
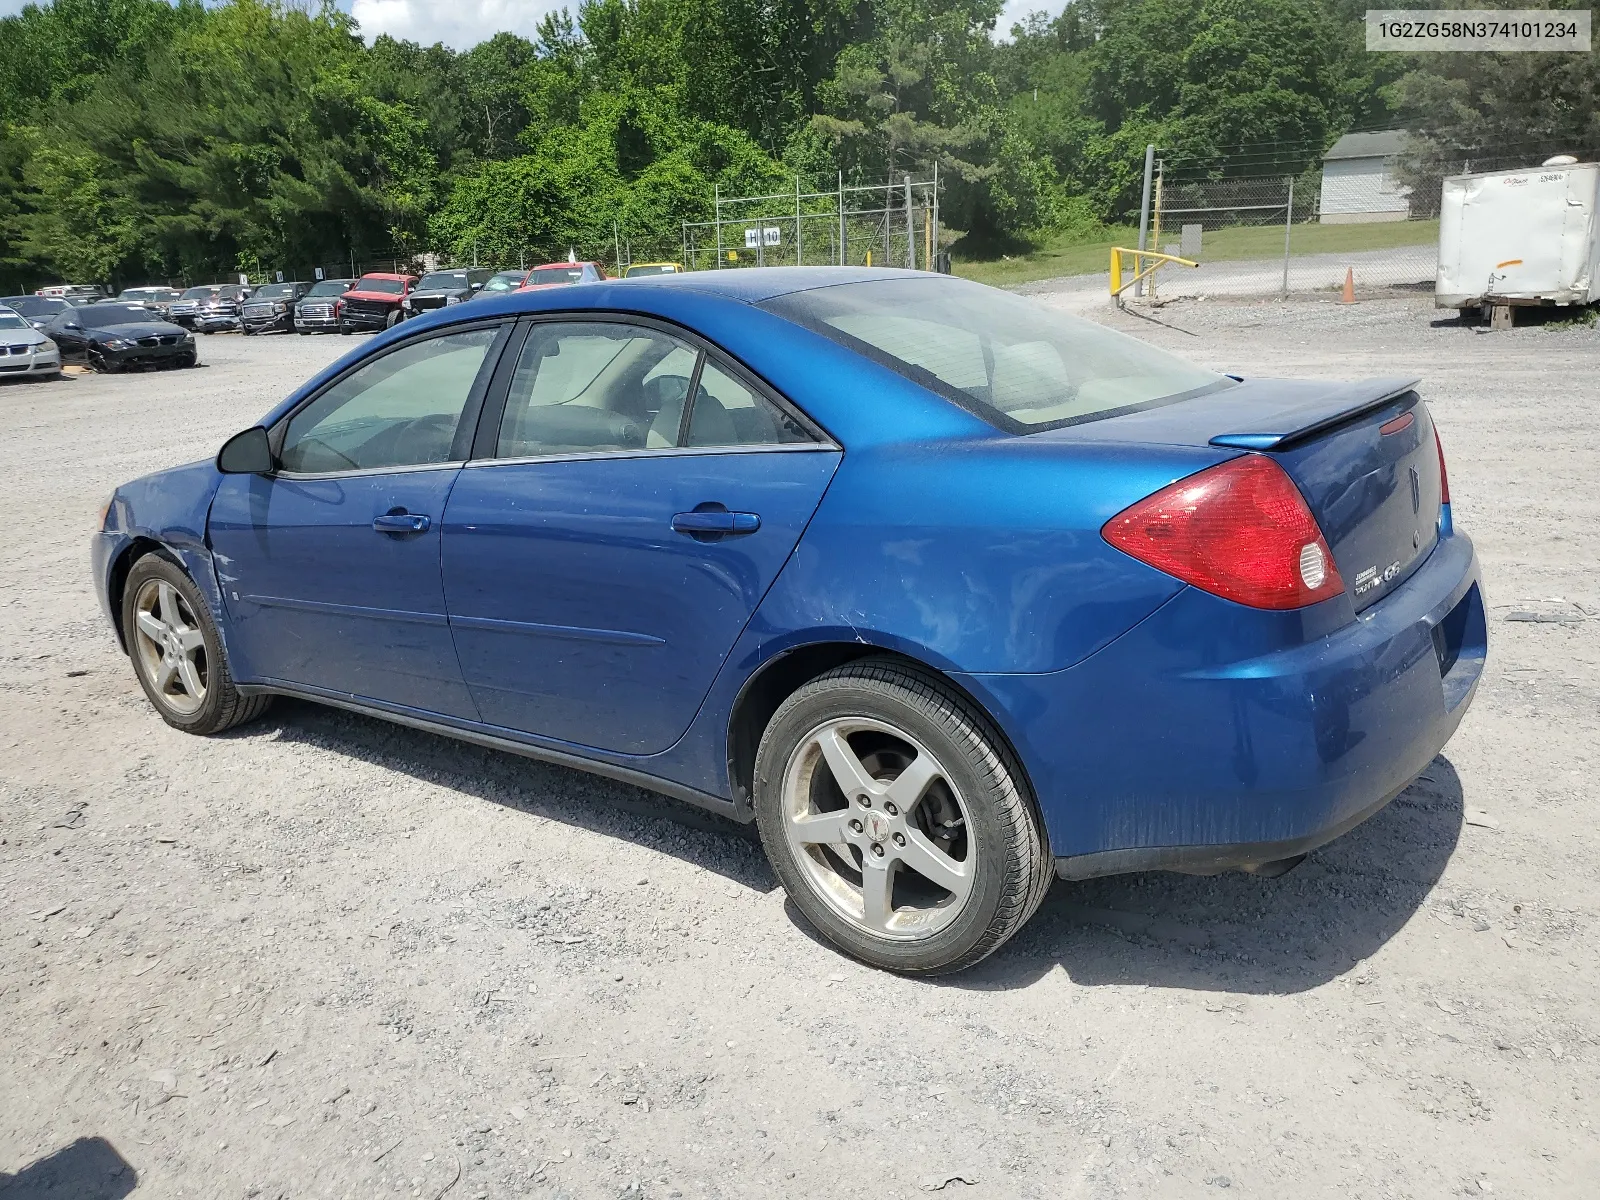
column 948, row 593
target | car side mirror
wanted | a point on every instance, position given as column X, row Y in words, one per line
column 247, row 453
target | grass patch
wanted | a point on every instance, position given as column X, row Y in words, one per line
column 1076, row 256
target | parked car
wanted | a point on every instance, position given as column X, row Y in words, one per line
column 563, row 275
column 949, row 593
column 439, row 289
column 272, row 307
column 37, row 310
column 157, row 299
column 319, row 311
column 374, row 302
column 73, row 293
column 505, row 281
column 209, row 307
column 25, row 353
column 111, row 336
column 643, row 270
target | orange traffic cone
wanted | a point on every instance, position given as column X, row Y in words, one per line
column 1349, row 296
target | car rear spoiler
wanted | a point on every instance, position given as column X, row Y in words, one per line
column 1333, row 407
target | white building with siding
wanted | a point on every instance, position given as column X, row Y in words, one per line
column 1358, row 181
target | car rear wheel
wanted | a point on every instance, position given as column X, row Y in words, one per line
column 899, row 822
column 177, row 653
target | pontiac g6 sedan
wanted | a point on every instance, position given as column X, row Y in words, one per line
column 948, row 593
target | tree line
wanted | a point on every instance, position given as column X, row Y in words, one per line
column 148, row 139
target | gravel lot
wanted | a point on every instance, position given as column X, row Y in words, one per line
column 325, row 956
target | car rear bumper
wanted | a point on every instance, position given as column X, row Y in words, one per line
column 1211, row 736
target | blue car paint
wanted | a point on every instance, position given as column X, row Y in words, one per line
column 578, row 611
column 978, row 554
column 314, row 595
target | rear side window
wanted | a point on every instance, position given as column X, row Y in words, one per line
column 1016, row 364
column 587, row 386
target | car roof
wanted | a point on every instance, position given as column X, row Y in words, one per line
column 755, row 284
column 385, row 275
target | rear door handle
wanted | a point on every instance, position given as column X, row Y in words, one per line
column 715, row 521
column 401, row 522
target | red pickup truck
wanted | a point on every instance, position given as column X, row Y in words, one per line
column 563, row 275
column 374, row 302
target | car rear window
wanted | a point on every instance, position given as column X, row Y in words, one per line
column 1018, row 365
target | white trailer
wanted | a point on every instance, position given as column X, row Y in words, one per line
column 1520, row 237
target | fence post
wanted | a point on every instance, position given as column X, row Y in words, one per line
column 686, row 264
column 911, row 230
column 716, row 191
column 842, row 258
column 1144, row 208
column 616, row 246
column 799, row 245
column 1288, row 224
column 936, row 213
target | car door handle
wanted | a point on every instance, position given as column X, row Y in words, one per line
column 401, row 522
column 718, row 520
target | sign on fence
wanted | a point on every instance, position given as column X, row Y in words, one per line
column 767, row 235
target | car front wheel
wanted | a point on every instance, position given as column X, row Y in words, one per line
column 898, row 820
column 177, row 653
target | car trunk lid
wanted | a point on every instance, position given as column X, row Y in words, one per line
column 1362, row 454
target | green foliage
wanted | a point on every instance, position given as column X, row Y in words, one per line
column 186, row 140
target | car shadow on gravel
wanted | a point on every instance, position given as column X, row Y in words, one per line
column 88, row 1169
column 1236, row 932
column 527, row 785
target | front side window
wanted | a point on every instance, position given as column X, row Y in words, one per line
column 605, row 386
column 1016, row 364
column 402, row 409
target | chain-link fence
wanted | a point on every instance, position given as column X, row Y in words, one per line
column 890, row 224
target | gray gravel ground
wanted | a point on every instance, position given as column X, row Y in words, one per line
column 328, row 957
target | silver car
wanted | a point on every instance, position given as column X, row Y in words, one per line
column 25, row 353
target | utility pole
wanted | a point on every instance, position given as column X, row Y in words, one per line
column 716, row 191
column 1144, row 212
column 936, row 213
column 911, row 230
column 1288, row 220
column 842, row 258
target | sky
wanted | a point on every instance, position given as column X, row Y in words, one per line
column 464, row 23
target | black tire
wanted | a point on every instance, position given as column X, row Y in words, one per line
column 344, row 329
column 1012, row 865
column 392, row 319
column 222, row 707
column 188, row 360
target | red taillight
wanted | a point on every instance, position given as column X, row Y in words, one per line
column 1240, row 530
column 1444, row 477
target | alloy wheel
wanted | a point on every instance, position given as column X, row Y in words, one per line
column 879, row 828
column 170, row 646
